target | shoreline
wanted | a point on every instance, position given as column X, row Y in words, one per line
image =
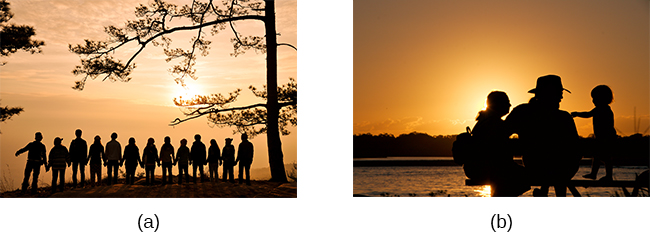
column 446, row 161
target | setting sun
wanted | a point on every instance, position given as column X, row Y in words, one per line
column 187, row 92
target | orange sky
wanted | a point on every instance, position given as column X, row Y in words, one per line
column 427, row 66
column 141, row 108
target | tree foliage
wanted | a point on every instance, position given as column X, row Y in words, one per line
column 251, row 119
column 7, row 112
column 15, row 37
column 412, row 144
column 154, row 26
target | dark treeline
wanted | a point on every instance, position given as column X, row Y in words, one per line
column 630, row 150
column 413, row 144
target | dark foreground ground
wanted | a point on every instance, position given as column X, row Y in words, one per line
column 257, row 189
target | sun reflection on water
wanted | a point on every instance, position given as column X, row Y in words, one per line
column 485, row 191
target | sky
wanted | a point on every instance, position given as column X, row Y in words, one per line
column 428, row 66
column 141, row 108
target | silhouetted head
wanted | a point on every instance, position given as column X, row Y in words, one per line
column 244, row 136
column 38, row 136
column 168, row 139
column 498, row 102
column 77, row 133
column 213, row 142
column 114, row 136
column 548, row 90
column 98, row 139
column 228, row 141
column 197, row 137
column 150, row 141
column 183, row 142
column 57, row 141
column 131, row 140
column 602, row 95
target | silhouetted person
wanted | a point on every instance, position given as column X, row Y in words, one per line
column 182, row 159
column 150, row 158
column 495, row 162
column 95, row 156
column 113, row 158
column 548, row 135
column 228, row 156
column 603, row 122
column 198, row 155
column 214, row 160
column 36, row 157
column 59, row 158
column 167, row 156
column 245, row 159
column 131, row 160
column 79, row 156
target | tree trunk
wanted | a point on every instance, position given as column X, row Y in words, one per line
column 276, row 158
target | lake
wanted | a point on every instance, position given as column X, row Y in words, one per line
column 443, row 181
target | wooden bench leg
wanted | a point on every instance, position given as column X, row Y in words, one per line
column 574, row 191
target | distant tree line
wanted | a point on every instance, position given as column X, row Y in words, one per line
column 630, row 150
column 412, row 144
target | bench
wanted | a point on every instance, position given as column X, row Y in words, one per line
column 581, row 183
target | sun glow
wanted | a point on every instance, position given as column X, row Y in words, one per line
column 485, row 191
column 186, row 92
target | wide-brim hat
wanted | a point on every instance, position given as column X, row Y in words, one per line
column 548, row 83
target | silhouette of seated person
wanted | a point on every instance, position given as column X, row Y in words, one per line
column 494, row 160
column 548, row 137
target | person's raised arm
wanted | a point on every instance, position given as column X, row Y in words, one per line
column 22, row 150
column 585, row 114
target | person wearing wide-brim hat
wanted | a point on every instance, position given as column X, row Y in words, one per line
column 548, row 136
column 228, row 155
column 548, row 83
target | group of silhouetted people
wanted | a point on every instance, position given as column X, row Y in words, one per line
column 112, row 157
column 547, row 140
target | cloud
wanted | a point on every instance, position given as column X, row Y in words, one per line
column 397, row 126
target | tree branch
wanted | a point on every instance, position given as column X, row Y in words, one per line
column 198, row 113
column 286, row 44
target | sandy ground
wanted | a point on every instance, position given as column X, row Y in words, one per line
column 220, row 189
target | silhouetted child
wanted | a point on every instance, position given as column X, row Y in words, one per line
column 603, row 122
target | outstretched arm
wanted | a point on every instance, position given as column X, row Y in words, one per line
column 22, row 150
column 585, row 114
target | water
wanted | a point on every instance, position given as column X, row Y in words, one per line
column 443, row 181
